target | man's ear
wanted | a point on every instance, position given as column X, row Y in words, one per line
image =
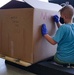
column 64, row 16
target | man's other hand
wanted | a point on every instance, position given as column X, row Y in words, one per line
column 44, row 30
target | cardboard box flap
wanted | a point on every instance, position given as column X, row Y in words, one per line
column 43, row 5
column 16, row 4
column 30, row 4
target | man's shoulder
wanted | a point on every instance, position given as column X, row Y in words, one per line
column 63, row 26
column 66, row 25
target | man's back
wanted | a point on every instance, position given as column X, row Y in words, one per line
column 65, row 39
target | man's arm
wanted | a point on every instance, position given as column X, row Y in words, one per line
column 57, row 20
column 46, row 36
column 49, row 39
column 58, row 24
column 45, row 32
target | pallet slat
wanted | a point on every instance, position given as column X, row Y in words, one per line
column 17, row 61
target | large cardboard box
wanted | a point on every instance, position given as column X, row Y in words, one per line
column 20, row 30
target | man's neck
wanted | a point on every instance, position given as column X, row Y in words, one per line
column 68, row 22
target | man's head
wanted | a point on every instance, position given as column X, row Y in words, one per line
column 67, row 13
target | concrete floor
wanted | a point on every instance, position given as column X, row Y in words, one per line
column 6, row 69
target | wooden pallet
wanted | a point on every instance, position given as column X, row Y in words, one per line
column 14, row 60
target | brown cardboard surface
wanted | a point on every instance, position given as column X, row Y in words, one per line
column 17, row 31
column 21, row 33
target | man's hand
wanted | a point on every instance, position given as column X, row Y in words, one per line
column 56, row 18
column 44, row 30
column 46, row 36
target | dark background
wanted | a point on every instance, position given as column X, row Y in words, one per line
column 62, row 1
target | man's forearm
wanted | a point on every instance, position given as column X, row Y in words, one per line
column 58, row 24
column 49, row 39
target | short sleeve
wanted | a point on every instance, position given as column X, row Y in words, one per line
column 59, row 34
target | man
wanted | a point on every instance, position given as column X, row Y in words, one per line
column 64, row 36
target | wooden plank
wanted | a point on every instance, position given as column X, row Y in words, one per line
column 14, row 60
